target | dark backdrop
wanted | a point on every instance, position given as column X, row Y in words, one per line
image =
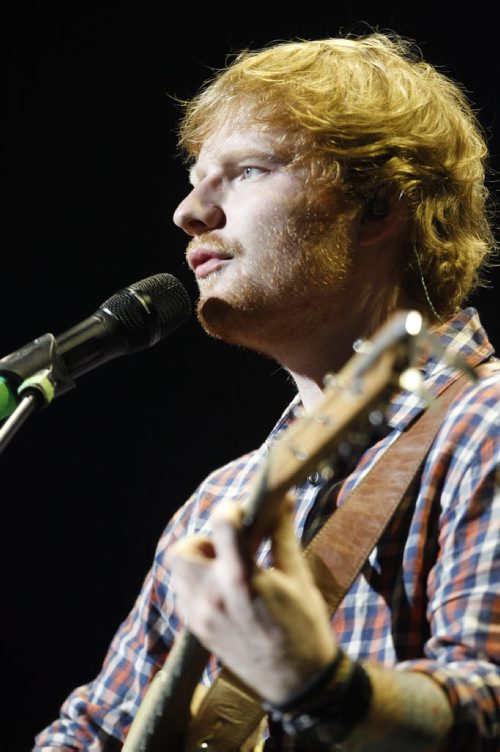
column 90, row 178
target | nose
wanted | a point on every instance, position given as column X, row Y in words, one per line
column 199, row 212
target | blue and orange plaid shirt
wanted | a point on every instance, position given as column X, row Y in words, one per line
column 428, row 598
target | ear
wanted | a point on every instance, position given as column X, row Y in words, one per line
column 380, row 219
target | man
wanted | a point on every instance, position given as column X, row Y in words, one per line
column 334, row 183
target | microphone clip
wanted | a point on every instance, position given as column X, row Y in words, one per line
column 37, row 367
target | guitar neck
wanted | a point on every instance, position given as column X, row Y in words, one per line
column 164, row 714
column 311, row 440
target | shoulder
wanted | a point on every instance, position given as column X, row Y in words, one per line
column 234, row 480
column 468, row 440
column 230, row 481
column 477, row 407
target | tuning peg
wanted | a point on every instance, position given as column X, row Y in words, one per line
column 362, row 346
column 412, row 380
column 330, row 380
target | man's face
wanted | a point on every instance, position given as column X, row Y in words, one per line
column 270, row 252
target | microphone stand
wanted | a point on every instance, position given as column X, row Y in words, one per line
column 26, row 406
column 42, row 375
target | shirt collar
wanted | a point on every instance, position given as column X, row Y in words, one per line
column 460, row 339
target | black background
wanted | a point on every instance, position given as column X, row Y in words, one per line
column 90, row 180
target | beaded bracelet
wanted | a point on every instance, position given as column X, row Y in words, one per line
column 325, row 710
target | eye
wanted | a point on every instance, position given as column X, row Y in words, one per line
column 251, row 172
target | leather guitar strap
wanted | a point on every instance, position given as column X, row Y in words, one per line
column 229, row 717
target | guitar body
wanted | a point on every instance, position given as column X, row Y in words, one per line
column 221, row 719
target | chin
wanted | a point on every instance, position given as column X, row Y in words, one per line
column 237, row 325
column 217, row 317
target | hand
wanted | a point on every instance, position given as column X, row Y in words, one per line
column 270, row 627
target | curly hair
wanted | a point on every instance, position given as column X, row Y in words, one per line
column 379, row 116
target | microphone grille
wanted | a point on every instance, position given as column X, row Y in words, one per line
column 150, row 309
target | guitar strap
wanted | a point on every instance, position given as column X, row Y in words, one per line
column 228, row 716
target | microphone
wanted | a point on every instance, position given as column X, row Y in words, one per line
column 134, row 318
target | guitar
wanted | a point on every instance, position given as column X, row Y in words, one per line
column 354, row 399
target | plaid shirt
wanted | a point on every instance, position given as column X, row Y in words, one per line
column 427, row 599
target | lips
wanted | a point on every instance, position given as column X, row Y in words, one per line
column 204, row 261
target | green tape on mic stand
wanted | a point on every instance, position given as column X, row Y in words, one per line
column 42, row 382
column 8, row 401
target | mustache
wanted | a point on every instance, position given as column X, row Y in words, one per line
column 217, row 244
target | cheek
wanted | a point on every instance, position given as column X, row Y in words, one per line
column 282, row 222
column 258, row 227
column 280, row 216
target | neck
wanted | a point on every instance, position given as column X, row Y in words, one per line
column 310, row 359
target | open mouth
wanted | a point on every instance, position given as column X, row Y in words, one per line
column 205, row 261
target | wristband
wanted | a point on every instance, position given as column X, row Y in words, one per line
column 327, row 708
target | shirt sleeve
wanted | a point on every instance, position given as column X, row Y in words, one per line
column 463, row 651
column 97, row 715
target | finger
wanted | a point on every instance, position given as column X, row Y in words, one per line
column 190, row 561
column 226, row 524
column 231, row 567
column 197, row 598
column 194, row 548
column 286, row 550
